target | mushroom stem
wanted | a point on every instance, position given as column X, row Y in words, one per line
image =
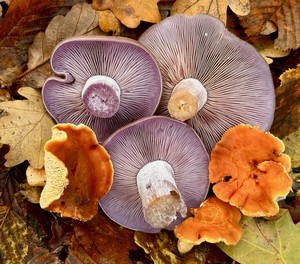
column 187, row 98
column 101, row 96
column 160, row 196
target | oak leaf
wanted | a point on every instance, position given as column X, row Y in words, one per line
column 25, row 128
column 285, row 14
column 20, row 24
column 131, row 12
column 287, row 117
column 276, row 241
column 108, row 22
column 80, row 20
column 216, row 8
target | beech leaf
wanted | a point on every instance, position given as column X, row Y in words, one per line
column 275, row 241
column 131, row 12
column 285, row 14
column 25, row 129
column 216, row 8
column 20, row 24
column 287, row 117
column 80, row 20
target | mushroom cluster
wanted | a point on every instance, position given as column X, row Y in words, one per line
column 160, row 170
column 102, row 82
column 211, row 79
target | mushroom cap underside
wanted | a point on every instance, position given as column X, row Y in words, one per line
column 237, row 79
column 150, row 139
column 124, row 60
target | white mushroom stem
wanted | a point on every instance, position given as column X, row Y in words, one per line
column 160, row 196
column 187, row 98
column 101, row 96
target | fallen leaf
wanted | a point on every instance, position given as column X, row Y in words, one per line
column 108, row 22
column 216, row 8
column 276, row 241
column 25, row 129
column 80, row 20
column 131, row 12
column 285, row 14
column 101, row 241
column 162, row 249
column 287, row 113
column 265, row 46
column 13, row 238
column 18, row 28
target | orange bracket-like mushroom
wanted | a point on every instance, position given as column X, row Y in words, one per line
column 214, row 221
column 79, row 172
column 249, row 170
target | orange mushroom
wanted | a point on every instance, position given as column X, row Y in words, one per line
column 79, row 172
column 214, row 221
column 250, row 171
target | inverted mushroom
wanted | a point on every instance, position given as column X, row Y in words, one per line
column 78, row 172
column 250, row 171
column 214, row 221
column 211, row 79
column 103, row 82
column 160, row 170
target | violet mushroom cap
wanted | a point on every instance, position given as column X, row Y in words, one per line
column 154, row 140
column 231, row 79
column 103, row 82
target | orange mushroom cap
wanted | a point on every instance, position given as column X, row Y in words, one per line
column 214, row 221
column 79, row 172
column 250, row 171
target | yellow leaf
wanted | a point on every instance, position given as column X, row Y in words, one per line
column 108, row 22
column 131, row 12
column 25, row 129
column 240, row 7
column 216, row 8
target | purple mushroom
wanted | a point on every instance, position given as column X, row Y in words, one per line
column 160, row 170
column 103, row 82
column 211, row 79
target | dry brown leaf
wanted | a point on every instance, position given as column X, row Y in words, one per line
column 18, row 28
column 265, row 46
column 108, row 22
column 80, row 20
column 287, row 113
column 131, row 12
column 25, row 129
column 285, row 14
column 101, row 241
column 216, row 8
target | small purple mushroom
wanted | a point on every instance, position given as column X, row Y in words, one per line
column 160, row 170
column 211, row 79
column 103, row 82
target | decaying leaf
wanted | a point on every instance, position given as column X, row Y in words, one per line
column 108, row 22
column 276, row 241
column 131, row 12
column 287, row 117
column 13, row 238
column 285, row 14
column 18, row 28
column 216, row 8
column 265, row 46
column 101, row 241
column 25, row 129
column 161, row 247
column 80, row 20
